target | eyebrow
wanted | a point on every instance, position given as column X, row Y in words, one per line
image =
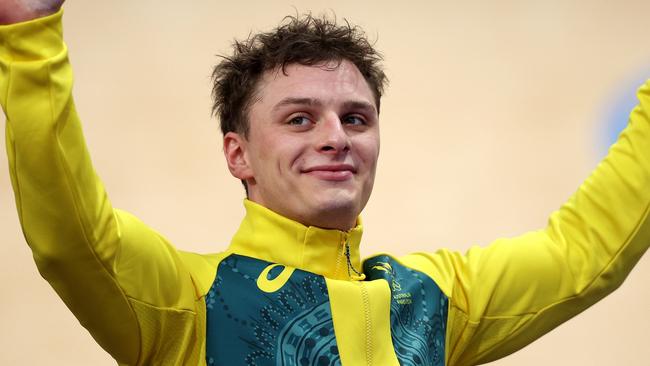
column 296, row 101
column 352, row 104
column 360, row 105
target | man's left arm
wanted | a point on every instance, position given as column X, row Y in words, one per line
column 506, row 295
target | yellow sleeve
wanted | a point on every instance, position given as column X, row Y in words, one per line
column 122, row 280
column 504, row 296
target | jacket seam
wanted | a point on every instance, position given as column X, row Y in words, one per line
column 75, row 202
column 366, row 313
column 162, row 308
column 19, row 197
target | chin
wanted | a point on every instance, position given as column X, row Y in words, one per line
column 335, row 208
column 335, row 199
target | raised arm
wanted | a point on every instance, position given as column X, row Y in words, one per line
column 122, row 280
column 17, row 11
column 504, row 296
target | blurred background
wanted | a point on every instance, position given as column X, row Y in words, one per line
column 495, row 113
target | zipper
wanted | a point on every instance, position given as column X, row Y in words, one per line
column 354, row 274
column 365, row 299
column 347, row 257
column 345, row 251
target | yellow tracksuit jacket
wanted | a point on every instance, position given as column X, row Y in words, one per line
column 284, row 293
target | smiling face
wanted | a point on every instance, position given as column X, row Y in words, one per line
column 313, row 143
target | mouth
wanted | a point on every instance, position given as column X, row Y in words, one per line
column 331, row 172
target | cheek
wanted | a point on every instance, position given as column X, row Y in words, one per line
column 368, row 150
column 281, row 154
column 261, row 155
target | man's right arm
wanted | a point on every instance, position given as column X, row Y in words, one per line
column 122, row 280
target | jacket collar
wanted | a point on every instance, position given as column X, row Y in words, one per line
column 266, row 235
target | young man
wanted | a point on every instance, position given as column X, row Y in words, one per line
column 299, row 109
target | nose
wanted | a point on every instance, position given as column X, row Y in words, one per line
column 333, row 137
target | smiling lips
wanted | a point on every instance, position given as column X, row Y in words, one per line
column 333, row 172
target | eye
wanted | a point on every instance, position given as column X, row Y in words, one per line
column 299, row 121
column 354, row 120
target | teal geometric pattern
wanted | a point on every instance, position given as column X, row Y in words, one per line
column 246, row 326
column 293, row 325
column 418, row 312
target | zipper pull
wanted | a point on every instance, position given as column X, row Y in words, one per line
column 347, row 256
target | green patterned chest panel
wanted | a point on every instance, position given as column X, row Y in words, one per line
column 291, row 323
column 248, row 326
column 418, row 312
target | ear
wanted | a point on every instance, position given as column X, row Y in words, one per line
column 235, row 151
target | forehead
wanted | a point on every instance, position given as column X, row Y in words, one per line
column 328, row 82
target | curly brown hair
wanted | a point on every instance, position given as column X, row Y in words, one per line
column 305, row 40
